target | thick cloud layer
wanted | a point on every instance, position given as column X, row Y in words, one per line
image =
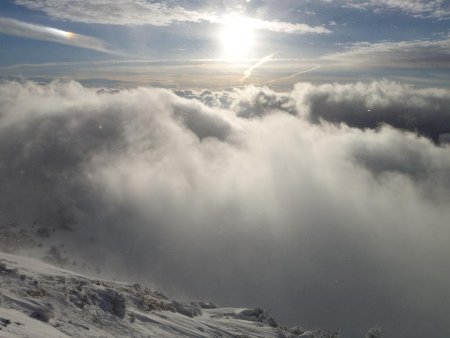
column 361, row 105
column 249, row 199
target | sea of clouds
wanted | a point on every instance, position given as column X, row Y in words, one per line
column 327, row 204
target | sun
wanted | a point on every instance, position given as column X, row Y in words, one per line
column 237, row 38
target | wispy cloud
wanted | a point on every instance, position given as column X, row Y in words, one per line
column 287, row 27
column 124, row 12
column 420, row 8
column 168, row 73
column 138, row 12
column 401, row 54
column 38, row 32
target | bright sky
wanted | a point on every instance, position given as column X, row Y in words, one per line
column 229, row 42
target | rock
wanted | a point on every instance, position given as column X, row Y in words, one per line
column 113, row 302
column 132, row 317
column 44, row 315
column 205, row 305
column 190, row 310
column 4, row 322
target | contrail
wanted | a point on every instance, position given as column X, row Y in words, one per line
column 249, row 71
column 294, row 75
column 302, row 72
column 38, row 32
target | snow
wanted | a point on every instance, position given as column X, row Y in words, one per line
column 22, row 325
column 41, row 300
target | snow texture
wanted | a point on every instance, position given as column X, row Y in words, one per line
column 41, row 300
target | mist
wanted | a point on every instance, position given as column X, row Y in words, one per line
column 327, row 205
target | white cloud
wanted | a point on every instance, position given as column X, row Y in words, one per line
column 122, row 12
column 141, row 12
column 361, row 105
column 286, row 27
column 370, row 105
column 421, row 8
column 264, row 208
column 32, row 31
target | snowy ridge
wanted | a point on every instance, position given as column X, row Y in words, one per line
column 41, row 300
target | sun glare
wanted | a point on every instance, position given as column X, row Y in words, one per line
column 70, row 35
column 61, row 33
column 237, row 38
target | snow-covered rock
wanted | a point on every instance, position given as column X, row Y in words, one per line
column 41, row 300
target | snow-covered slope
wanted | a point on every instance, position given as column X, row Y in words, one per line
column 41, row 300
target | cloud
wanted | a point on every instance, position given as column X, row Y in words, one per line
column 185, row 73
column 401, row 54
column 287, row 27
column 38, row 32
column 369, row 105
column 125, row 12
column 358, row 105
column 156, row 13
column 325, row 224
column 420, row 8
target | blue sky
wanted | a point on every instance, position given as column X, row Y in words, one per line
column 183, row 43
